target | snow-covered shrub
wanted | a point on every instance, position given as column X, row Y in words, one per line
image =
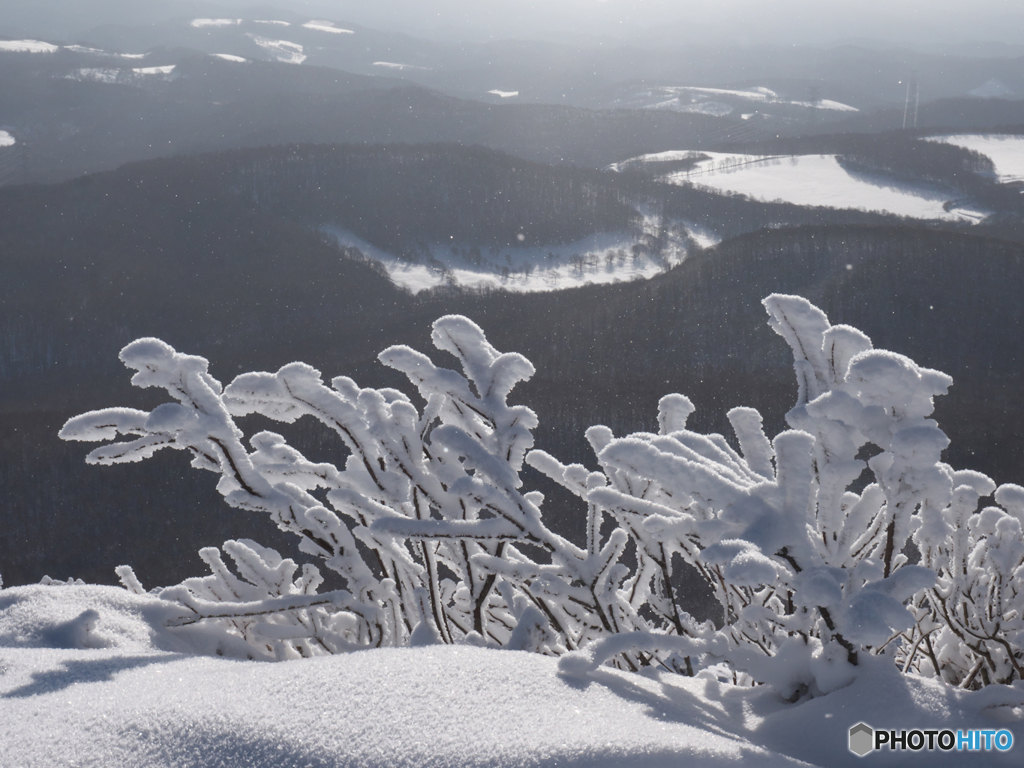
column 802, row 537
column 970, row 627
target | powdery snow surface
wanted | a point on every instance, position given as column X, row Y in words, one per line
column 816, row 180
column 90, row 676
column 1005, row 150
column 600, row 258
column 6, row 140
column 27, row 46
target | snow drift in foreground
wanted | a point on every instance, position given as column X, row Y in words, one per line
column 89, row 675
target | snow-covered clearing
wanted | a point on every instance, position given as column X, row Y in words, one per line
column 84, row 49
column 716, row 101
column 116, row 688
column 165, row 70
column 27, row 46
column 605, row 257
column 326, row 26
column 230, row 57
column 6, row 140
column 1005, row 150
column 396, row 65
column 504, row 94
column 283, row 50
column 100, row 75
column 814, row 180
column 215, row 22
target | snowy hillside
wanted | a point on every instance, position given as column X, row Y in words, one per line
column 603, row 257
column 116, row 689
column 721, row 101
column 1005, row 150
column 811, row 180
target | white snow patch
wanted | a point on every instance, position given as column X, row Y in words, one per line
column 272, row 21
column 605, row 257
column 837, row 106
column 395, row 65
column 1005, row 150
column 660, row 157
column 326, row 26
column 83, row 49
column 814, row 180
column 27, row 46
column 134, row 55
column 165, row 70
column 751, row 94
column 89, row 675
column 687, row 98
column 283, row 50
column 504, row 94
column 229, row 57
column 6, row 140
column 215, row 22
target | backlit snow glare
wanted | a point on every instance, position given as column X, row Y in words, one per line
column 90, row 676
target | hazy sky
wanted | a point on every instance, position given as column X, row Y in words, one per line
column 661, row 21
column 782, row 21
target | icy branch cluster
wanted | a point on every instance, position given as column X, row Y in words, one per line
column 804, row 538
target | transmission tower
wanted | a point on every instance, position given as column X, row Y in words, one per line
column 913, row 92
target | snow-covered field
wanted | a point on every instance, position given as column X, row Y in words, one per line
column 396, row 65
column 1005, row 150
column 605, row 257
column 719, row 101
column 199, row 23
column 27, row 46
column 283, row 50
column 815, row 180
column 90, row 676
column 326, row 26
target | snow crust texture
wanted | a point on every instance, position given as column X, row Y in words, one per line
column 135, row 704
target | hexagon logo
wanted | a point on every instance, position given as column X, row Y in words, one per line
column 862, row 739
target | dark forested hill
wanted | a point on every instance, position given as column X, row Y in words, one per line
column 217, row 256
column 73, row 113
